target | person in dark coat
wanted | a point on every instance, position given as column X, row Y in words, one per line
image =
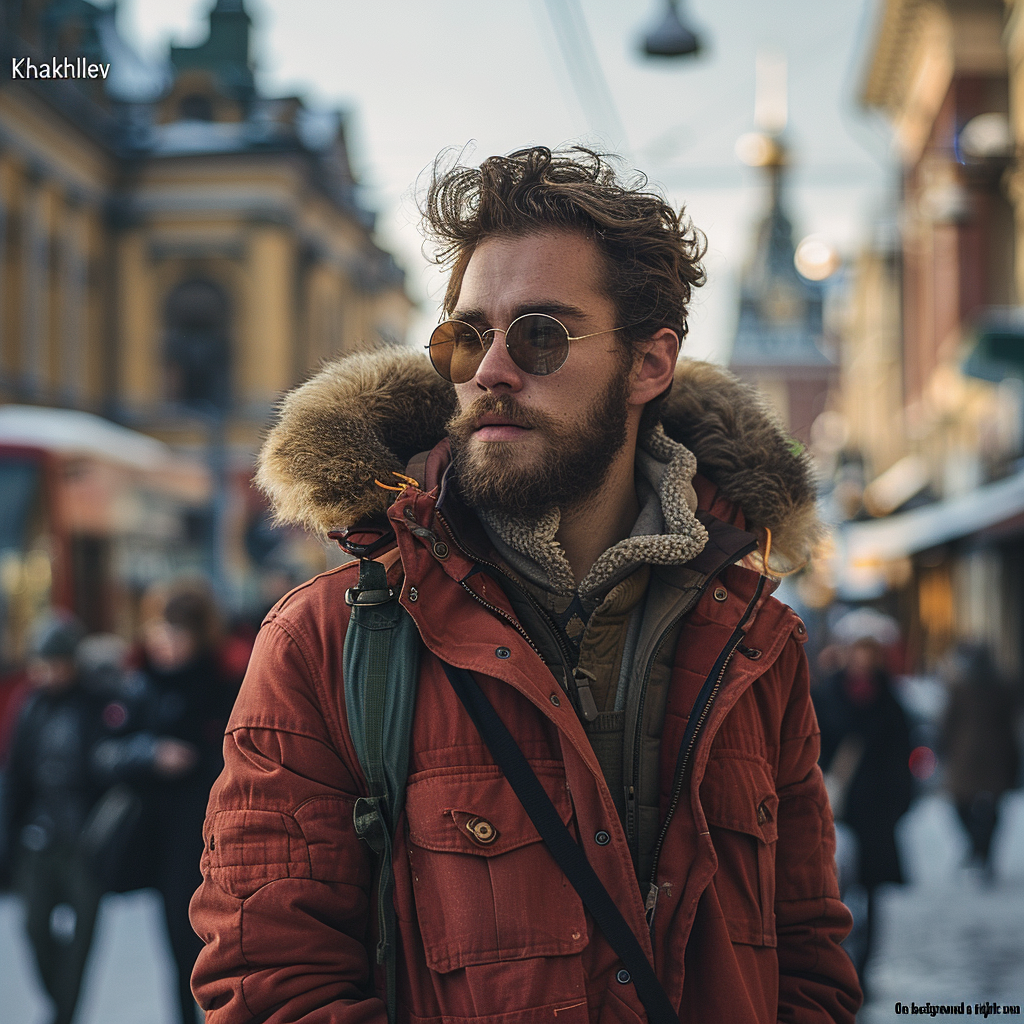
column 979, row 743
column 50, row 789
column 865, row 754
column 190, row 696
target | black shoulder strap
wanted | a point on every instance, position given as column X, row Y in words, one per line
column 566, row 851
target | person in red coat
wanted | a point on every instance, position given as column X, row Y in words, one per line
column 591, row 529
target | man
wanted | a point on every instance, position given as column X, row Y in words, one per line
column 601, row 584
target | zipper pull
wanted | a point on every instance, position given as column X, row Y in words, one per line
column 651, row 903
column 584, row 695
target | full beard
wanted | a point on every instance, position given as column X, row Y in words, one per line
column 497, row 476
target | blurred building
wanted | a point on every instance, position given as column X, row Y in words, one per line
column 931, row 394
column 176, row 249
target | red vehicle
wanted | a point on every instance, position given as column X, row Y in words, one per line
column 91, row 514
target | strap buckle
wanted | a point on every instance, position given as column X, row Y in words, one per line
column 372, row 588
column 368, row 598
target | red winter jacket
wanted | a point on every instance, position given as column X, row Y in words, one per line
column 747, row 925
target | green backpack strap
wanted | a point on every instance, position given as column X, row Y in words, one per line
column 381, row 666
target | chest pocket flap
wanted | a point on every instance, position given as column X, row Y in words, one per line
column 484, row 885
column 741, row 807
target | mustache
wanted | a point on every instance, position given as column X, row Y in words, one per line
column 463, row 423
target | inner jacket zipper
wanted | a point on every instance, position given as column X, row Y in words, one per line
column 705, row 700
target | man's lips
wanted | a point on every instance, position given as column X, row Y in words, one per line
column 498, row 428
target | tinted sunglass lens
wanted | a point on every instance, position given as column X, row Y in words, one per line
column 455, row 351
column 538, row 343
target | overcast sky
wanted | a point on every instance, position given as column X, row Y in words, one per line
column 418, row 77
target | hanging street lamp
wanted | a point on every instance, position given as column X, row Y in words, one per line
column 671, row 37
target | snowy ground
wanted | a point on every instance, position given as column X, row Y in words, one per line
column 945, row 938
column 949, row 937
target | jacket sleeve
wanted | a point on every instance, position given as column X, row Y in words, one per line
column 283, row 906
column 817, row 980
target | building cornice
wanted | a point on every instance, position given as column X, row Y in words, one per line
column 886, row 72
column 919, row 47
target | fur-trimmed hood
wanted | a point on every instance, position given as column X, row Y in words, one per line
column 363, row 417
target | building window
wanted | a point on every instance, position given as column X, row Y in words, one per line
column 197, row 348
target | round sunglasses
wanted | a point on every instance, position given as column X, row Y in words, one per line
column 537, row 343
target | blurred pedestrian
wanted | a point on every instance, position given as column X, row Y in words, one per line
column 191, row 694
column 49, row 792
column 865, row 754
column 132, row 758
column 979, row 742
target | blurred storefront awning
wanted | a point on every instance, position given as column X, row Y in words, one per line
column 76, row 434
column 72, row 432
column 866, row 548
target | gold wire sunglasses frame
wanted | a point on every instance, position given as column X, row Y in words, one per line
column 536, row 342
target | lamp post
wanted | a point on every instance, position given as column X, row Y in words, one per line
column 671, row 37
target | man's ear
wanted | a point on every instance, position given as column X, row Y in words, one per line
column 653, row 366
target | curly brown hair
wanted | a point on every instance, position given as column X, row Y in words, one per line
column 651, row 254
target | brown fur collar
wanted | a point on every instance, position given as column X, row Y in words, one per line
column 364, row 416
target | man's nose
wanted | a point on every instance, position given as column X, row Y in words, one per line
column 497, row 369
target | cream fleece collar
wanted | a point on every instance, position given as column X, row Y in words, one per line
column 666, row 532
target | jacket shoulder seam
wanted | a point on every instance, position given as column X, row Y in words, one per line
column 277, row 611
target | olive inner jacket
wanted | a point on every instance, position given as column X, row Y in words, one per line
column 747, row 923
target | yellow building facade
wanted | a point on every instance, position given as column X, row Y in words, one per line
column 176, row 250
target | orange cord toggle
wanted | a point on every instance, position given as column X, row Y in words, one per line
column 409, row 482
column 777, row 574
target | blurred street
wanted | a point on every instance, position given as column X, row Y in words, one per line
column 946, row 937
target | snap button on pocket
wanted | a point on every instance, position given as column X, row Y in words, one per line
column 622, row 977
column 602, row 838
column 762, row 813
column 721, row 593
column 440, row 549
column 482, row 831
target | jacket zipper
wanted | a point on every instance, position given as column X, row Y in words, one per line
column 500, row 613
column 651, row 902
column 566, row 660
column 632, row 834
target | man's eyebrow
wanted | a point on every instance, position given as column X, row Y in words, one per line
column 477, row 316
